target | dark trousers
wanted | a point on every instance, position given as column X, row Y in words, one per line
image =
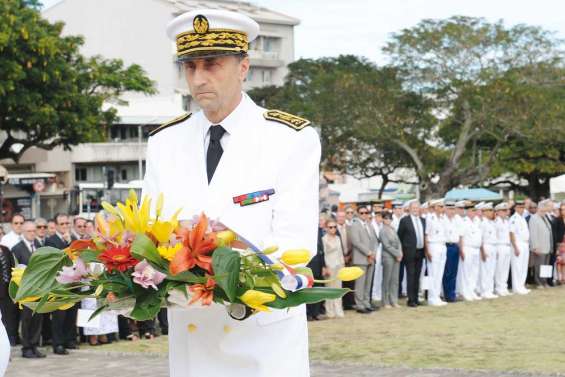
column 413, row 270
column 163, row 321
column 31, row 328
column 450, row 272
column 46, row 329
column 63, row 326
column 401, row 277
column 10, row 318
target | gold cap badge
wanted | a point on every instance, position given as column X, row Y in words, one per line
column 200, row 24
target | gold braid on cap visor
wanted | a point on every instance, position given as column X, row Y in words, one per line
column 212, row 40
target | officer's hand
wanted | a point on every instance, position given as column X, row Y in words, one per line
column 428, row 255
column 462, row 255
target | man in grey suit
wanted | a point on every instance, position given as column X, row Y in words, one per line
column 364, row 249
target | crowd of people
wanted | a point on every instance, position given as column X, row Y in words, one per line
column 58, row 329
column 440, row 250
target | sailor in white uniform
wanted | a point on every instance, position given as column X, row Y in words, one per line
column 254, row 170
column 488, row 252
column 436, row 251
column 520, row 239
column 502, row 250
column 470, row 252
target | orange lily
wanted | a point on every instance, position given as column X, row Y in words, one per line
column 74, row 249
column 197, row 247
column 203, row 292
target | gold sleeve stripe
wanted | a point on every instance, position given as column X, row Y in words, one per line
column 295, row 122
column 170, row 123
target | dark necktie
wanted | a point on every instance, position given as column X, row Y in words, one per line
column 5, row 266
column 214, row 150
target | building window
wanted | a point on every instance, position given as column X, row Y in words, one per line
column 266, row 75
column 80, row 174
column 133, row 132
column 124, row 176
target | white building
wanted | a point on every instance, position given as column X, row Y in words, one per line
column 134, row 31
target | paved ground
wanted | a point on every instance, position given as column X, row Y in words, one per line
column 103, row 364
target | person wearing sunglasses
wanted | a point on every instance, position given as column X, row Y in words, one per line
column 63, row 322
column 15, row 235
column 364, row 242
column 41, row 230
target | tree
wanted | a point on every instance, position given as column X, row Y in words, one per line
column 339, row 96
column 50, row 95
column 459, row 64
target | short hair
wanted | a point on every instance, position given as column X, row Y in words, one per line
column 387, row 215
column 59, row 215
column 18, row 215
column 77, row 219
column 40, row 220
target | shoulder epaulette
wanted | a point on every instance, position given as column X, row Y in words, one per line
column 295, row 122
column 170, row 123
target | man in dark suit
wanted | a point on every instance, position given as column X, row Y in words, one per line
column 63, row 322
column 317, row 265
column 411, row 230
column 9, row 310
column 31, row 323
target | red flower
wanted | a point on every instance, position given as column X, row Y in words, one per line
column 197, row 247
column 118, row 258
column 204, row 292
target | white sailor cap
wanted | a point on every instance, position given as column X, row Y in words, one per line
column 479, row 205
column 437, row 202
column 206, row 33
column 487, row 207
column 501, row 206
column 461, row 204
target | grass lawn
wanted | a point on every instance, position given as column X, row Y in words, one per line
column 518, row 333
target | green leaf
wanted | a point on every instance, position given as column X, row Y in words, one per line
column 143, row 248
column 187, row 277
column 226, row 263
column 12, row 290
column 305, row 296
column 90, row 256
column 39, row 276
column 98, row 311
column 147, row 304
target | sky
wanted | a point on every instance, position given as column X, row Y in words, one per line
column 362, row 27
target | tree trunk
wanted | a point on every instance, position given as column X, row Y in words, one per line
column 383, row 185
column 538, row 186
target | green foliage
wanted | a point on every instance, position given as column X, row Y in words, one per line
column 226, row 264
column 143, row 248
column 50, row 95
column 39, row 276
column 307, row 296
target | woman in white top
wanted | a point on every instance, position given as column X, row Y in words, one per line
column 333, row 256
column 4, row 348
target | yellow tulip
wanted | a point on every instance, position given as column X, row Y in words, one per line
column 28, row 299
column 110, row 208
column 162, row 231
column 270, row 250
column 278, row 290
column 298, row 256
column 349, row 273
column 257, row 299
column 277, row 267
column 225, row 237
column 17, row 273
column 169, row 252
column 98, row 290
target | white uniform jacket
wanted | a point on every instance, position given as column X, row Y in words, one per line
column 261, row 155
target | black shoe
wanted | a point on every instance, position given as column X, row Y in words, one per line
column 38, row 353
column 412, row 305
column 363, row 311
column 72, row 346
column 29, row 354
column 60, row 350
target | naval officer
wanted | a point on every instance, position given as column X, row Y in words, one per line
column 436, row 251
column 488, row 252
column 209, row 160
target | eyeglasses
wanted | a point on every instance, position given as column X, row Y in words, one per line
column 41, row 227
column 332, row 227
column 81, row 226
column 363, row 212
